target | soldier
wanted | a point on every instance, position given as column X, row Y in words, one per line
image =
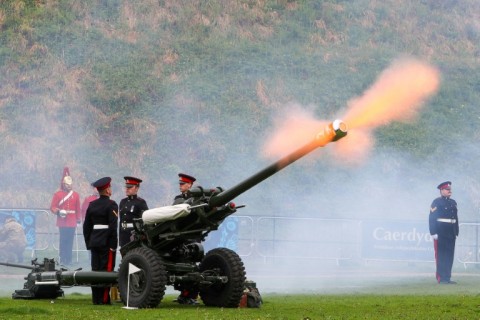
column 443, row 223
column 100, row 233
column 12, row 239
column 185, row 181
column 130, row 207
column 66, row 206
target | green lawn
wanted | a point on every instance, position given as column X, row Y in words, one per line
column 348, row 306
column 388, row 298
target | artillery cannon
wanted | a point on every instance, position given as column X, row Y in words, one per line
column 166, row 248
column 45, row 282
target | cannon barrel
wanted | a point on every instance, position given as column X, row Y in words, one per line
column 332, row 132
column 14, row 265
column 75, row 278
column 44, row 281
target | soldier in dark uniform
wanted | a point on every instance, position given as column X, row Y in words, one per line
column 130, row 207
column 100, row 232
column 443, row 223
column 185, row 181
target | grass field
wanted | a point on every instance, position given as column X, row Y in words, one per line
column 392, row 295
column 347, row 306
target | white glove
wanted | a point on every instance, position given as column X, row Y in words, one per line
column 435, row 236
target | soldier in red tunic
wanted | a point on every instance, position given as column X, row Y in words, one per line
column 66, row 206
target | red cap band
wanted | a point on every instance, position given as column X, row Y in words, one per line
column 185, row 179
column 104, row 187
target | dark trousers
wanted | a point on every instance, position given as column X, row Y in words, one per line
column 444, row 254
column 103, row 259
column 66, row 245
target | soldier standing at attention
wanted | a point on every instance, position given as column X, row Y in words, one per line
column 100, row 233
column 130, row 207
column 66, row 206
column 443, row 223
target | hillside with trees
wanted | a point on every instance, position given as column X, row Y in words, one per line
column 152, row 88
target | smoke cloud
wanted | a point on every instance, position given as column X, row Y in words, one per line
column 397, row 95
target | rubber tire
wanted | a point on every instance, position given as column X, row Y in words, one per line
column 226, row 295
column 147, row 286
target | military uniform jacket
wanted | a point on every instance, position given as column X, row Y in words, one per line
column 71, row 205
column 101, row 223
column 180, row 198
column 443, row 219
column 130, row 208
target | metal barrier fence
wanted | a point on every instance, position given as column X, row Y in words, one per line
column 306, row 238
column 269, row 237
column 467, row 248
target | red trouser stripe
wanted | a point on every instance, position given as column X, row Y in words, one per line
column 106, row 292
column 110, row 260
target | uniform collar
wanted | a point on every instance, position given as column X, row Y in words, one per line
column 133, row 196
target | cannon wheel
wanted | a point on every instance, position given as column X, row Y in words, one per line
column 223, row 262
column 147, row 286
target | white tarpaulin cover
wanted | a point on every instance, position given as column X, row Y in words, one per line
column 167, row 213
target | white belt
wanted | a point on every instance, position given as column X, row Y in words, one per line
column 447, row 220
column 129, row 225
column 70, row 211
column 100, row 226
